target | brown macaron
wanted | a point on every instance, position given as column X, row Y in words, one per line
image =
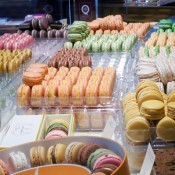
column 85, row 152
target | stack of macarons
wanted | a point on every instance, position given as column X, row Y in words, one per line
column 71, row 57
column 166, row 25
column 57, row 128
column 93, row 156
column 149, row 108
column 108, row 42
column 154, row 51
column 35, row 74
column 41, row 81
column 44, row 27
column 159, row 69
column 15, row 41
column 10, row 61
column 161, row 39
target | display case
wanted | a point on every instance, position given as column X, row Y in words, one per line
column 108, row 37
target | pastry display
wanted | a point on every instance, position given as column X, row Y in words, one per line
column 66, row 83
column 108, row 42
column 70, row 58
column 149, row 108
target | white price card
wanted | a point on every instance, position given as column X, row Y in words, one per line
column 109, row 129
column 148, row 161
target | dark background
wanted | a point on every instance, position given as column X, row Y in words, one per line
column 18, row 9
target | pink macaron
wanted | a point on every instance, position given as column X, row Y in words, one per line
column 55, row 134
column 107, row 159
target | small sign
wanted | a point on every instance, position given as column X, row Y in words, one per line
column 109, row 129
column 148, row 161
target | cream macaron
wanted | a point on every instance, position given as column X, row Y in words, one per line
column 138, row 129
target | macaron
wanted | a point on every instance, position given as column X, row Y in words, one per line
column 43, row 23
column 149, row 93
column 43, row 34
column 56, row 153
column 153, row 109
column 95, row 155
column 3, row 168
column 55, row 134
column 18, row 161
column 72, row 151
column 105, row 168
column 171, row 96
column 171, row 110
column 37, row 156
column 138, row 129
column 85, row 152
column 165, row 129
column 108, row 159
column 31, row 78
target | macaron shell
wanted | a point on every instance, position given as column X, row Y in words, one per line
column 166, row 129
column 42, row 155
column 60, row 152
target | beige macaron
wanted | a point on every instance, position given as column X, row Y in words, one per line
column 166, row 129
column 138, row 129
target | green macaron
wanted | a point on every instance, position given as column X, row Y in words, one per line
column 95, row 155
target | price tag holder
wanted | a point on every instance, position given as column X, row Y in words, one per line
column 109, row 129
column 148, row 161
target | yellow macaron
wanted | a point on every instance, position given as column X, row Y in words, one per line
column 153, row 109
column 138, row 129
column 166, row 129
column 171, row 109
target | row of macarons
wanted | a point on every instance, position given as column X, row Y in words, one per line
column 15, row 41
column 106, row 42
column 146, row 108
column 65, row 83
column 70, row 57
column 161, row 39
column 161, row 69
column 154, row 51
column 10, row 61
column 91, row 155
